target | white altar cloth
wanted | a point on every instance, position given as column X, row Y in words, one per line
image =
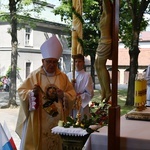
column 134, row 135
column 69, row 131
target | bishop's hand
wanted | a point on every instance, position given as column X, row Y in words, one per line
column 33, row 98
column 60, row 93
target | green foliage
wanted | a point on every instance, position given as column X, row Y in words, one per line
column 129, row 10
column 98, row 116
column 24, row 11
column 90, row 20
column 132, row 22
column 122, row 96
column 8, row 72
column 131, row 19
column 1, row 84
column 65, row 11
column 91, row 31
column 125, row 31
column 99, row 112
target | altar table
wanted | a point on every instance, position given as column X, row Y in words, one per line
column 134, row 135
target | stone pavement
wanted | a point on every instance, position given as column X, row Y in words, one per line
column 9, row 115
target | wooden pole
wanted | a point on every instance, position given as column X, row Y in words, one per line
column 114, row 110
column 77, row 36
column 77, row 24
column 77, row 31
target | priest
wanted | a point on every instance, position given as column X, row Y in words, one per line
column 46, row 97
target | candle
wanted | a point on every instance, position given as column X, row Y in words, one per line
column 60, row 123
column 138, row 93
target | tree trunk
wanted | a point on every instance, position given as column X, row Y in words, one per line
column 14, row 44
column 132, row 74
column 137, row 10
column 92, row 68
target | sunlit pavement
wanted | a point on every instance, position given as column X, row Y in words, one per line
column 9, row 115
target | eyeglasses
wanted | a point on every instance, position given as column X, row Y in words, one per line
column 55, row 62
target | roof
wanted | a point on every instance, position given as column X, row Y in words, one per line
column 124, row 59
column 145, row 36
column 144, row 55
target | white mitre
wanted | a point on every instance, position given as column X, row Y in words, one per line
column 51, row 48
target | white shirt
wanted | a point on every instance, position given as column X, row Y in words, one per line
column 83, row 85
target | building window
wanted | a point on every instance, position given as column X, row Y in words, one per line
column 28, row 37
column 28, row 67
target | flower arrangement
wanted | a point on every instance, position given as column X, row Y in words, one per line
column 99, row 112
column 98, row 118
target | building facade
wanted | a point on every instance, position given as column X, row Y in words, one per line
column 30, row 40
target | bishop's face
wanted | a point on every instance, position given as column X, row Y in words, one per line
column 50, row 64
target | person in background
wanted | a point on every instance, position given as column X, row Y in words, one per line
column 4, row 81
column 46, row 97
column 147, row 77
column 83, row 85
column 103, row 51
column 8, row 84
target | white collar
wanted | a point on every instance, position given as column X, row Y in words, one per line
column 80, row 71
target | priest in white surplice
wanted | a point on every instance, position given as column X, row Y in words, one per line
column 83, row 86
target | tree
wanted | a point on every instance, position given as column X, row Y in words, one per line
column 91, row 14
column 132, row 22
column 91, row 32
column 14, row 44
column 16, row 7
